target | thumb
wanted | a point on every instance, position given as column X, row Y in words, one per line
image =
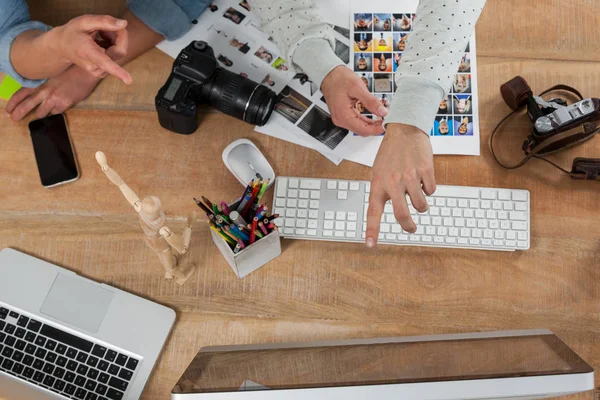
column 101, row 23
column 370, row 102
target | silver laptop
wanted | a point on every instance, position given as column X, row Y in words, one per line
column 497, row 365
column 64, row 336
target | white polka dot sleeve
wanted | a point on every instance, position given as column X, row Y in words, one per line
column 429, row 64
column 300, row 34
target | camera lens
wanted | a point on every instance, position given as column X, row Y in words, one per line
column 239, row 97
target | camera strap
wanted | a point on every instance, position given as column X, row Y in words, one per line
column 582, row 168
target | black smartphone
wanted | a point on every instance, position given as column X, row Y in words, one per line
column 53, row 151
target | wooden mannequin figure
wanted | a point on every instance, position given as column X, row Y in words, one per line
column 167, row 245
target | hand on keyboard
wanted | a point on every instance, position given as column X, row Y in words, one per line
column 403, row 165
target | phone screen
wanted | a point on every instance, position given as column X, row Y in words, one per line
column 53, row 150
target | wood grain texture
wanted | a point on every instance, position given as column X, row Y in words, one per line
column 315, row 290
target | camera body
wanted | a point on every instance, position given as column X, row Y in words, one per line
column 196, row 78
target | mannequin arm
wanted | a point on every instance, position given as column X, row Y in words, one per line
column 179, row 243
column 129, row 194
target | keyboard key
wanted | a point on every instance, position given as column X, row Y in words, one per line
column 293, row 183
column 30, row 337
column 313, row 224
column 70, row 389
column 522, row 245
column 38, row 364
column 20, row 333
column 343, row 185
column 518, row 216
column 93, row 373
column 315, row 195
column 51, row 357
column 351, row 226
column 519, row 226
column 327, row 233
column 14, row 314
column 40, row 340
column 80, row 380
column 520, row 206
column 81, row 357
column 331, row 185
column 354, row 186
column 340, row 216
column 113, row 369
column 303, row 194
column 314, row 204
column 40, row 353
column 118, row 383
column 82, row 369
column 340, row 225
column 38, row 376
column 101, row 389
column 10, row 340
column 311, row 184
column 22, row 322
column 281, row 187
column 292, row 203
column 20, row 345
column 462, row 240
column 313, row 214
column 113, row 394
column 48, row 368
column 290, row 213
column 61, row 361
column 103, row 365
column 519, row 196
column 50, row 345
column 132, row 364
column 10, row 329
column 80, row 394
column 91, row 396
column 49, row 380
column 339, row 234
column 90, row 385
column 69, row 377
column 17, row 356
column 342, row 195
column 92, row 361
column 71, row 365
column 301, row 231
column 488, row 194
column 28, row 372
column 28, row 360
column 292, row 193
column 59, row 373
column 34, row 325
column 59, row 385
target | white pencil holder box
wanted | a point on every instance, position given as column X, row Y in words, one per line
column 237, row 157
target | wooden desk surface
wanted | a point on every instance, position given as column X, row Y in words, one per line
column 323, row 290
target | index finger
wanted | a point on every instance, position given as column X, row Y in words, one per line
column 103, row 61
column 361, row 125
column 377, row 201
column 121, row 43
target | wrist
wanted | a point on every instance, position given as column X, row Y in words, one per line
column 396, row 129
column 52, row 40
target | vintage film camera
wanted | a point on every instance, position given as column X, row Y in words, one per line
column 553, row 122
column 196, row 78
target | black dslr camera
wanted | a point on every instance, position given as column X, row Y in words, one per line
column 197, row 78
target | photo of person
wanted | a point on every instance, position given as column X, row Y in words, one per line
column 245, row 4
column 363, row 62
column 442, row 126
column 267, row 81
column 400, row 41
column 383, row 42
column 385, row 99
column 462, row 104
column 382, row 62
column 342, row 51
column 363, row 22
column 363, row 42
column 303, row 79
column 465, row 63
column 403, row 22
column 367, row 79
column 463, row 126
column 264, row 55
column 241, row 46
column 397, row 60
column 291, row 104
column 382, row 83
column 213, row 8
column 462, row 83
column 234, row 15
column 279, row 64
column 225, row 61
column 382, row 22
column 318, row 124
column 445, row 106
column 468, row 49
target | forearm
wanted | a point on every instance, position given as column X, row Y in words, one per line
column 430, row 62
column 300, row 34
column 34, row 54
column 141, row 38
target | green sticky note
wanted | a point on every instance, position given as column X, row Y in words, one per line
column 8, row 87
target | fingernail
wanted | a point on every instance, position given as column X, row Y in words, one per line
column 121, row 22
column 382, row 111
column 370, row 243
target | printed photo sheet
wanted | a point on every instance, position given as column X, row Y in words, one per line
column 379, row 34
column 233, row 31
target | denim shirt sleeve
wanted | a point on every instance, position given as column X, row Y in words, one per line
column 14, row 20
column 170, row 18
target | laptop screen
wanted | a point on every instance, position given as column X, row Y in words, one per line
column 376, row 364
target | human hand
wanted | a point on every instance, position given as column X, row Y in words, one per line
column 403, row 165
column 342, row 89
column 55, row 96
column 94, row 43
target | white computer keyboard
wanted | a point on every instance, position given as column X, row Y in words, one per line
column 458, row 216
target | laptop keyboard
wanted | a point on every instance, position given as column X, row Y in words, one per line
column 59, row 361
